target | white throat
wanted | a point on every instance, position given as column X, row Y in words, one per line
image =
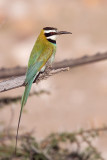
column 53, row 37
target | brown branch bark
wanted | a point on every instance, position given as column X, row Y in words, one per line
column 19, row 71
column 19, row 81
column 57, row 67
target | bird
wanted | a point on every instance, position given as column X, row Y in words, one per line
column 42, row 54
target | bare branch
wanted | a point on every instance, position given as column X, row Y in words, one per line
column 19, row 71
column 56, row 68
column 19, row 81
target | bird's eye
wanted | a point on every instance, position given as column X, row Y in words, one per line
column 51, row 33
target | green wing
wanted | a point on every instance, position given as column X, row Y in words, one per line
column 32, row 71
column 37, row 64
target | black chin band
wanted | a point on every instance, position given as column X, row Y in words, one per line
column 52, row 41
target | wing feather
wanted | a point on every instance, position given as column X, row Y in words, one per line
column 34, row 68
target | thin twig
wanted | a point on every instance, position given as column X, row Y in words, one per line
column 19, row 71
column 91, row 130
column 92, row 147
column 9, row 100
column 97, row 130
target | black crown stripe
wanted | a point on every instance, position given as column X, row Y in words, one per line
column 50, row 28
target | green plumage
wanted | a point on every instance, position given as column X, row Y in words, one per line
column 41, row 53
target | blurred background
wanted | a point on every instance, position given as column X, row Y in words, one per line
column 78, row 98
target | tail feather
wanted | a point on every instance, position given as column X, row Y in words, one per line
column 23, row 102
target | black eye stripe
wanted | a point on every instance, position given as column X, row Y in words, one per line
column 50, row 34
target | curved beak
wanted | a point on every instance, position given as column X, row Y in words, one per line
column 63, row 32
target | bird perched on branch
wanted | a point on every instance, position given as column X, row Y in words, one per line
column 43, row 53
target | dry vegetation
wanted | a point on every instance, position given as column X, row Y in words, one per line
column 57, row 146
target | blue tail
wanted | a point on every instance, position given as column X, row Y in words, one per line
column 23, row 102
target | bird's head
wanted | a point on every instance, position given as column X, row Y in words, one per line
column 51, row 33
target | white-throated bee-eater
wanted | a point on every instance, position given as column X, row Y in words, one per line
column 43, row 53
